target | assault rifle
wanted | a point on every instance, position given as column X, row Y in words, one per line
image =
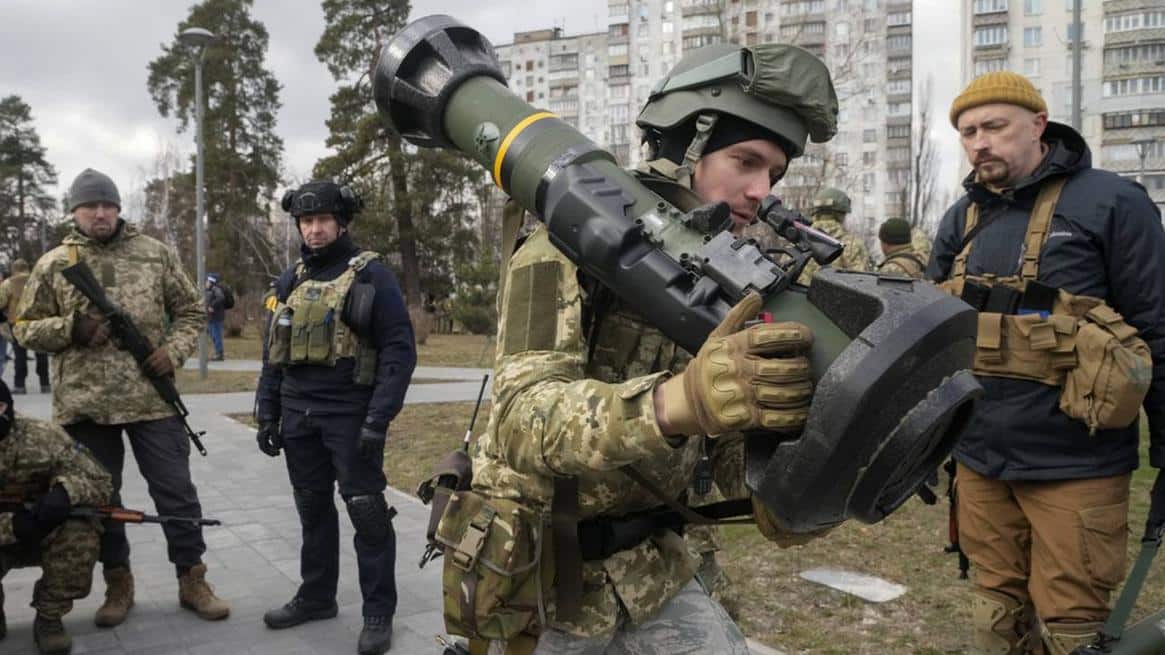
column 130, row 339
column 113, row 513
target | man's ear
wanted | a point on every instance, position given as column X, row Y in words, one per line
column 1040, row 122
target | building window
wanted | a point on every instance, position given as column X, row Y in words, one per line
column 1071, row 32
column 898, row 109
column 667, row 27
column 869, row 136
column 1137, row 118
column 750, row 19
column 1031, row 66
column 1134, row 21
column 1032, row 7
column 989, row 6
column 868, row 182
column 897, row 87
column 619, row 50
column 989, row 36
column 898, row 153
column 898, row 18
column 622, row 70
column 869, row 158
column 1130, row 152
column 897, row 131
column 1135, row 86
column 898, row 42
column 1152, row 52
column 991, row 65
column 1032, row 37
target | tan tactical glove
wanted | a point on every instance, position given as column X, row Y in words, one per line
column 741, row 379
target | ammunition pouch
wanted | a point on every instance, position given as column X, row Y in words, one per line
column 497, row 567
column 1109, row 384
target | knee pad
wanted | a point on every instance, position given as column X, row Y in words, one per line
column 1002, row 624
column 312, row 505
column 1063, row 638
column 370, row 515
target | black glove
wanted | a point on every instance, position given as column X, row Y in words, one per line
column 1155, row 524
column 53, row 508
column 370, row 445
column 25, row 527
column 270, row 438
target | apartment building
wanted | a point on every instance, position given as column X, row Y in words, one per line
column 1122, row 71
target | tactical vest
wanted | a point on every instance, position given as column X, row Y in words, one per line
column 307, row 327
column 1028, row 331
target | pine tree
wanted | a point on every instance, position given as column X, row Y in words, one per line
column 26, row 208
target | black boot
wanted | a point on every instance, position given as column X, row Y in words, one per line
column 297, row 611
column 376, row 637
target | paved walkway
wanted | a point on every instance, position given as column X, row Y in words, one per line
column 253, row 559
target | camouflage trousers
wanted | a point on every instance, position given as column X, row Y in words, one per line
column 690, row 623
column 66, row 558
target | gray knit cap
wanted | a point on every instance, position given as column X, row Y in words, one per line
column 93, row 186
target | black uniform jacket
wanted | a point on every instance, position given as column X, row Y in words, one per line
column 1106, row 241
column 325, row 390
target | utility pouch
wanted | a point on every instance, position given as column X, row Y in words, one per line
column 494, row 570
column 279, row 337
column 1113, row 372
column 313, row 328
column 974, row 294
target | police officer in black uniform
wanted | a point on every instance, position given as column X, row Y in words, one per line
column 338, row 359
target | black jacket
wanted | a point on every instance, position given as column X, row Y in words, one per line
column 325, row 390
column 1106, row 241
column 216, row 302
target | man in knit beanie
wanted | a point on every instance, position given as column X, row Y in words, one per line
column 1040, row 238
column 900, row 257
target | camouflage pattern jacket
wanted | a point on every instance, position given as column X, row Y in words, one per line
column 144, row 277
column 855, row 257
column 921, row 243
column 568, row 403
column 37, row 455
column 904, row 261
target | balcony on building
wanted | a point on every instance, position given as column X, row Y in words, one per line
column 1139, row 57
column 699, row 7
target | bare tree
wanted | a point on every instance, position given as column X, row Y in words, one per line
column 924, row 201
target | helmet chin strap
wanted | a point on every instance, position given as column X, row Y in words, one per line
column 704, row 125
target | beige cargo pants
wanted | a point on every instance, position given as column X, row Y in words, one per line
column 1046, row 555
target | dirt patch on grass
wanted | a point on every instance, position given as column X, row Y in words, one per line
column 188, row 382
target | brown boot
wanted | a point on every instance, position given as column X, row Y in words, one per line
column 50, row 636
column 118, row 597
column 195, row 594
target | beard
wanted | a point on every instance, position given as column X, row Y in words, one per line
column 993, row 171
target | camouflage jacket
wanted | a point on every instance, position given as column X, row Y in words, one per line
column 10, row 291
column 921, row 243
column 568, row 403
column 855, row 257
column 37, row 455
column 903, row 261
column 144, row 277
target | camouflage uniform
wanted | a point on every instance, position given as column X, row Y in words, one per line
column 100, row 391
column 855, row 257
column 559, row 411
column 146, row 279
column 35, row 456
column 921, row 243
column 903, row 260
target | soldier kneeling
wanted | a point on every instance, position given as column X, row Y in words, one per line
column 41, row 464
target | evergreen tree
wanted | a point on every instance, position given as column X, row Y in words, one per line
column 26, row 209
column 242, row 150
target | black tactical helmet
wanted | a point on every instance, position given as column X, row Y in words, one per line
column 322, row 197
column 783, row 89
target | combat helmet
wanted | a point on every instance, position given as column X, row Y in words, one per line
column 831, row 200
column 783, row 89
column 322, row 197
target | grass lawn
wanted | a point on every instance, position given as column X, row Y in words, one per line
column 469, row 350
column 188, row 382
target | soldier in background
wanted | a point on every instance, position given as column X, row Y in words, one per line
column 830, row 207
column 39, row 461
column 99, row 391
column 921, row 243
column 10, row 292
column 900, row 257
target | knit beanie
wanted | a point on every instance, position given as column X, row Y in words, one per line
column 895, row 232
column 93, row 186
column 1000, row 86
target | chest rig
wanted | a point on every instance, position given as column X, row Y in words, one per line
column 309, row 327
column 1030, row 331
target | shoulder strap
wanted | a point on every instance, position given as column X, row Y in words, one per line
column 362, row 259
column 1038, row 227
column 74, row 256
column 564, row 517
column 912, row 256
column 969, row 232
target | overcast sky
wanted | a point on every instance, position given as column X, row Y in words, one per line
column 81, row 66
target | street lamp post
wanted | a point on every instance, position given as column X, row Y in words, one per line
column 198, row 38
